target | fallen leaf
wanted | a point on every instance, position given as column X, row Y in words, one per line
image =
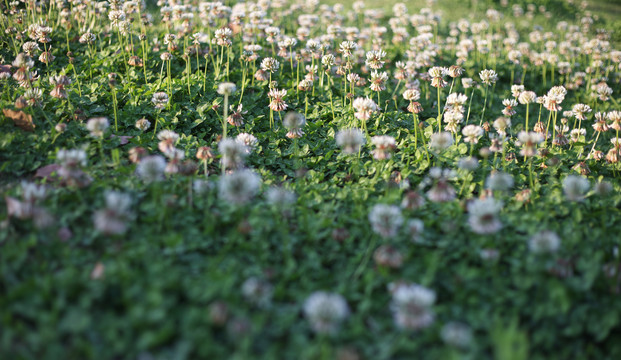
column 16, row 208
column 98, row 271
column 64, row 234
column 47, row 170
column 123, row 138
column 20, row 118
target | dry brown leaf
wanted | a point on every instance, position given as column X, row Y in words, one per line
column 16, row 208
column 64, row 234
column 20, row 118
column 123, row 138
column 47, row 170
column 98, row 271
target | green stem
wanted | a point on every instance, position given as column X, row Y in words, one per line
column 224, row 119
column 439, row 89
column 484, row 106
column 526, row 129
column 114, row 103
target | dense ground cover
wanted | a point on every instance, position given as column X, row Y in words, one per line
column 295, row 180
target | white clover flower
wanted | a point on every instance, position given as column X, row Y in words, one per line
column 168, row 139
column 151, row 168
column 143, row 124
column 467, row 83
column 364, row 108
column 116, row 16
column 575, row 187
column 270, row 65
column 226, row 88
column 499, row 181
column 347, row 48
column 529, row 141
column 441, row 141
column 483, row 215
column 239, row 187
column 325, row 311
column 97, row 126
column 233, row 153
column 30, row 48
column 328, row 60
column 385, row 220
column 258, row 292
column 72, row 158
column 248, row 140
column 201, row 186
column 375, row 59
column 580, row 111
column 32, row 192
column 378, row 80
column 350, row 140
column 544, row 242
column 411, row 94
column 112, row 220
column 472, row 133
column 384, row 146
column 468, row 163
column 442, row 190
column 456, row 99
column 489, row 77
column 87, row 38
column 412, row 306
column 502, row 124
column 415, row 228
column 280, row 197
column 517, row 90
column 456, row 334
column 294, row 122
column 160, row 100
column 119, row 202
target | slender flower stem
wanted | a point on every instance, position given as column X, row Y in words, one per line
column 484, row 106
column 366, row 258
column 188, row 68
column 157, row 119
column 115, row 105
column 228, row 60
column 554, row 127
column 159, row 83
column 90, row 55
column 271, row 111
column 396, row 88
column 450, row 91
column 439, row 89
column 305, row 104
column 331, row 102
column 224, row 121
column 243, row 86
column 469, row 105
column 595, row 142
column 205, row 73
column 415, row 123
column 144, row 60
column 548, row 126
column 297, row 77
column 526, row 128
column 169, row 82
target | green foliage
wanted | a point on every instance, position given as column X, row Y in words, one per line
column 153, row 291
